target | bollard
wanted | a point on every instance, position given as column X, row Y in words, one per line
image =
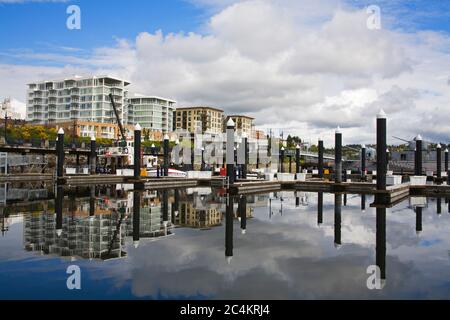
column 93, row 156
column 439, row 160
column 297, row 160
column 320, row 166
column 60, row 153
column 338, row 156
column 166, row 155
column 246, row 156
column 418, row 158
column 446, row 160
column 363, row 162
column 230, row 150
column 381, row 150
column 290, row 164
column 192, row 152
column 282, row 160
column 202, row 167
column 137, row 151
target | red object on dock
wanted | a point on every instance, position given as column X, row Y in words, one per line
column 223, row 172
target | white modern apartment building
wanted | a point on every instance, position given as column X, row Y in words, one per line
column 77, row 98
column 151, row 112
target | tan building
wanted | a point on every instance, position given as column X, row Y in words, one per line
column 194, row 218
column 98, row 129
column 243, row 124
column 205, row 119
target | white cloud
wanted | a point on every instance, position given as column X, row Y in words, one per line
column 305, row 66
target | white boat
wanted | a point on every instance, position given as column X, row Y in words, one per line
column 172, row 173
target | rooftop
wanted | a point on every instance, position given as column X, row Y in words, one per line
column 77, row 78
column 200, row 107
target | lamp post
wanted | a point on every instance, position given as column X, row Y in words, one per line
column 202, row 167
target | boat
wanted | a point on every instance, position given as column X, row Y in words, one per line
column 172, row 173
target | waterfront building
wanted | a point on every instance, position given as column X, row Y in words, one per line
column 152, row 113
column 77, row 98
column 195, row 119
column 80, row 128
column 243, row 124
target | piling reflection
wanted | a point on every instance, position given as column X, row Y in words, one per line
column 381, row 243
column 229, row 228
column 319, row 208
column 363, row 203
column 337, row 220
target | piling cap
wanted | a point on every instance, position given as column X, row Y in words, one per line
column 177, row 141
column 229, row 259
column 439, row 146
column 137, row 127
column 282, row 148
column 381, row 114
column 136, row 244
column 338, row 130
column 61, row 131
column 244, row 231
column 153, row 145
column 297, row 147
column 230, row 123
column 59, row 232
column 92, row 138
column 446, row 150
column 387, row 150
column 419, row 137
column 166, row 137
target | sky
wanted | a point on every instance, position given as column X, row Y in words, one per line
column 303, row 67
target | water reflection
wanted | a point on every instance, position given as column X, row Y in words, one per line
column 280, row 255
column 337, row 220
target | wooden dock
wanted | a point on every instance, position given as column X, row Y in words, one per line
column 391, row 195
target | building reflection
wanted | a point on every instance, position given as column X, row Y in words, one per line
column 97, row 228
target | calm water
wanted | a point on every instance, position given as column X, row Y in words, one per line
column 185, row 244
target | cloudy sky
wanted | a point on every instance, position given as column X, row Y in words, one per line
column 301, row 66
